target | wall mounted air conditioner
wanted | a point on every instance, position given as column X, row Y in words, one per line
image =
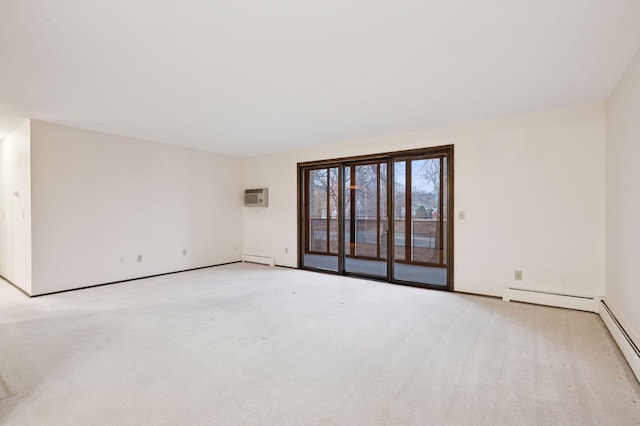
column 256, row 197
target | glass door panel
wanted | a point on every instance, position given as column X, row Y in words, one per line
column 365, row 219
column 420, row 240
column 321, row 219
column 399, row 209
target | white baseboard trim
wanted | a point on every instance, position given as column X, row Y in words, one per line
column 550, row 298
column 628, row 347
column 263, row 260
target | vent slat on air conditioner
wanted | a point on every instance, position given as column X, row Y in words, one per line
column 256, row 197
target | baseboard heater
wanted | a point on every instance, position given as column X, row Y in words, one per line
column 625, row 342
column 550, row 298
column 254, row 258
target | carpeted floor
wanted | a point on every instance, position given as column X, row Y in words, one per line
column 247, row 344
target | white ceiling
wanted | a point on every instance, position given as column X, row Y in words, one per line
column 250, row 77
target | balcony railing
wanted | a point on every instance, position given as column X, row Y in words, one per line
column 371, row 241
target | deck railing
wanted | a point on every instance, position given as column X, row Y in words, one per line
column 424, row 239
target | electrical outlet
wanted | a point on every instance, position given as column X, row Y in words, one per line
column 139, row 258
column 461, row 215
column 184, row 252
column 517, row 275
column 286, row 250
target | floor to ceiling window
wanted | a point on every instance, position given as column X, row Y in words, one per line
column 384, row 216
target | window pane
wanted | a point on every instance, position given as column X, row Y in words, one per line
column 366, row 195
column 383, row 211
column 318, row 210
column 425, row 201
column 399, row 209
column 333, row 210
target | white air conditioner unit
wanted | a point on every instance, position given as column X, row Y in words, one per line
column 256, row 197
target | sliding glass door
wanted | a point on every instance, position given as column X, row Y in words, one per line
column 366, row 222
column 383, row 217
column 321, row 220
column 420, row 220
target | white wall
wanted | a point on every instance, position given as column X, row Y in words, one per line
column 623, row 199
column 15, row 206
column 532, row 188
column 98, row 198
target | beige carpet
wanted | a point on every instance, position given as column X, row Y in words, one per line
column 246, row 344
column 4, row 389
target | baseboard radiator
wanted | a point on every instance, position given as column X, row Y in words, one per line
column 550, row 298
column 628, row 346
column 263, row 260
